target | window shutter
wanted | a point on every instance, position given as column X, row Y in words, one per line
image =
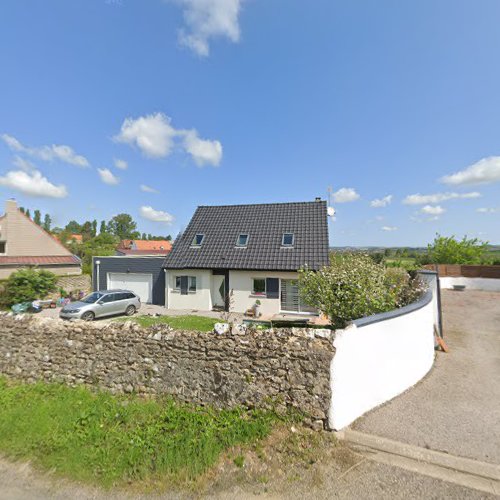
column 184, row 285
column 273, row 288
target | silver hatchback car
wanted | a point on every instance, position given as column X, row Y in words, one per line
column 102, row 303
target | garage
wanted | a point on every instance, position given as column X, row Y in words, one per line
column 142, row 275
column 140, row 284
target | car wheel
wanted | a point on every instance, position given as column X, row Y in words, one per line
column 130, row 310
column 88, row 316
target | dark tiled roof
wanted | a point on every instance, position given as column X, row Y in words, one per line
column 42, row 260
column 265, row 225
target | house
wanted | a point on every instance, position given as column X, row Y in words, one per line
column 25, row 244
column 231, row 256
column 75, row 238
column 144, row 247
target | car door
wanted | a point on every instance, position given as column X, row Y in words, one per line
column 107, row 305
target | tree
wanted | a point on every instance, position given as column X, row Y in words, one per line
column 143, row 237
column 73, row 227
column 86, row 230
column 123, row 227
column 103, row 244
column 102, row 229
column 449, row 250
column 22, row 210
column 47, row 222
column 94, row 228
column 28, row 213
column 37, row 217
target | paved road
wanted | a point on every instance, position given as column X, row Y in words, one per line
column 456, row 408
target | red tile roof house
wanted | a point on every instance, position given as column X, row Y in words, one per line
column 144, row 247
column 25, row 244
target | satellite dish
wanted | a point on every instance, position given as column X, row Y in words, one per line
column 331, row 211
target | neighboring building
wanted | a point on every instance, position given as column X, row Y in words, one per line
column 25, row 244
column 142, row 275
column 144, row 247
column 231, row 256
column 75, row 238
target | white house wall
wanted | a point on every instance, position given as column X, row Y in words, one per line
column 201, row 299
column 241, row 285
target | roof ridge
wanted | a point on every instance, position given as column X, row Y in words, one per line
column 265, row 204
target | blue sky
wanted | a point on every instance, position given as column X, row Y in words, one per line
column 234, row 101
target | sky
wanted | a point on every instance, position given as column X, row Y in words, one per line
column 153, row 107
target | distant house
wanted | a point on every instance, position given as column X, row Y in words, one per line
column 75, row 238
column 25, row 244
column 231, row 256
column 144, row 247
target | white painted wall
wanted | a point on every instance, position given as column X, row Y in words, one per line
column 487, row 284
column 241, row 284
column 376, row 362
column 200, row 300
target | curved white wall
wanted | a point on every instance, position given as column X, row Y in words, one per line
column 487, row 284
column 378, row 360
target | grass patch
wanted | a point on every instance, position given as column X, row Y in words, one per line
column 197, row 323
column 100, row 438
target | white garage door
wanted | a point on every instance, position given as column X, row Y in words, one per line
column 140, row 284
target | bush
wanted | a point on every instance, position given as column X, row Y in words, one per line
column 28, row 284
column 354, row 286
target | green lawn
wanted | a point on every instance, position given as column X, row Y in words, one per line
column 108, row 440
column 197, row 323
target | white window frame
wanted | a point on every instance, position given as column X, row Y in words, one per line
column 177, row 288
column 197, row 245
column 190, row 282
column 259, row 294
column 238, row 244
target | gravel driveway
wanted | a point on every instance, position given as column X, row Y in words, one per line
column 456, row 408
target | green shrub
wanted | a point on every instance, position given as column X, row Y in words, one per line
column 28, row 284
column 353, row 286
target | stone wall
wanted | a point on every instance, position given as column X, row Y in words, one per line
column 282, row 368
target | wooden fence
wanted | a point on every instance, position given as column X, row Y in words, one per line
column 466, row 271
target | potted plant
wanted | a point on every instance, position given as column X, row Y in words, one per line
column 256, row 308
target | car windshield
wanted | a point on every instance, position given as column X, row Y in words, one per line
column 92, row 298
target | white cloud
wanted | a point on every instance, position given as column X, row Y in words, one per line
column 121, row 164
column 47, row 153
column 157, row 138
column 381, row 202
column 23, row 164
column 203, row 152
column 148, row 189
column 488, row 210
column 206, row 19
column 485, row 171
column 156, row 215
column 345, row 195
column 389, row 228
column 32, row 184
column 432, row 210
column 152, row 134
column 423, row 199
column 107, row 176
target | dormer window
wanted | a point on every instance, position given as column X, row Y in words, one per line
column 242, row 240
column 288, row 240
column 198, row 240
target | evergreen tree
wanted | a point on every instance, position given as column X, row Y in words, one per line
column 94, row 228
column 28, row 213
column 37, row 217
column 47, row 222
column 102, row 229
column 143, row 236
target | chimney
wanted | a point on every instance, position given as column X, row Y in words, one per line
column 10, row 206
column 318, row 198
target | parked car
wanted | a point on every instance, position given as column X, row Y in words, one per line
column 102, row 303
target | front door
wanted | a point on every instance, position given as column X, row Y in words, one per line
column 218, row 291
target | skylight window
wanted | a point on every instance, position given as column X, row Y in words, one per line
column 287, row 240
column 198, row 240
column 242, row 240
